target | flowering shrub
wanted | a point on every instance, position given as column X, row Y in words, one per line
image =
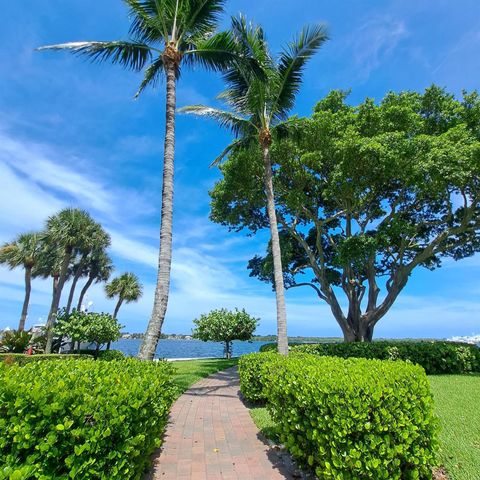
column 82, row 419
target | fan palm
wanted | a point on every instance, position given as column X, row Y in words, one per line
column 99, row 268
column 126, row 287
column 97, row 241
column 68, row 230
column 164, row 35
column 259, row 106
column 23, row 252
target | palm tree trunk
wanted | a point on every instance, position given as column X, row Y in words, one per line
column 28, row 289
column 84, row 291
column 117, row 307
column 152, row 335
column 72, row 290
column 277, row 256
column 52, row 316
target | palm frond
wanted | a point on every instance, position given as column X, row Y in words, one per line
column 152, row 75
column 292, row 62
column 151, row 20
column 238, row 125
column 237, row 144
column 131, row 55
column 201, row 18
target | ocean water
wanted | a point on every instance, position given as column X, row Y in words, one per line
column 186, row 348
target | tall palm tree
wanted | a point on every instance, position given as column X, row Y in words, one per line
column 22, row 252
column 259, row 106
column 97, row 241
column 165, row 35
column 66, row 231
column 99, row 268
column 126, row 287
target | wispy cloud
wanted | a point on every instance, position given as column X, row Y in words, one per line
column 375, row 41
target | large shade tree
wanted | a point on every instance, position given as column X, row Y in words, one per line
column 68, row 230
column 23, row 252
column 365, row 196
column 164, row 36
column 258, row 108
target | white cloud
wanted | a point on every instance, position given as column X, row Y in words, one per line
column 374, row 41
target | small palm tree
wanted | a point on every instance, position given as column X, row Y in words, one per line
column 165, row 35
column 97, row 241
column 68, row 230
column 99, row 268
column 259, row 108
column 23, row 252
column 126, row 287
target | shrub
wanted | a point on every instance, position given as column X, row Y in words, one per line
column 16, row 341
column 434, row 356
column 109, row 355
column 253, row 369
column 272, row 347
column 88, row 420
column 354, row 419
column 22, row 359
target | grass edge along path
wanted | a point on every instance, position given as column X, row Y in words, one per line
column 457, row 402
column 188, row 372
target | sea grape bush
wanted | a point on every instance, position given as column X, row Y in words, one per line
column 434, row 356
column 82, row 419
column 354, row 418
column 252, row 369
column 21, row 359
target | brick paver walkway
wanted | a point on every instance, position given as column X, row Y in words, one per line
column 211, row 436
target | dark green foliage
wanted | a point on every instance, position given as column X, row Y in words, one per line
column 15, row 341
column 109, row 355
column 253, row 369
column 22, row 359
column 270, row 347
column 354, row 419
column 225, row 326
column 85, row 420
column 435, row 357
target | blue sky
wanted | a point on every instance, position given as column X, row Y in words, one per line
column 72, row 135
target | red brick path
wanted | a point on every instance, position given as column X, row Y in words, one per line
column 211, row 436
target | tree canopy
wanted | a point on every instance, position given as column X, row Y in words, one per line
column 225, row 326
column 365, row 194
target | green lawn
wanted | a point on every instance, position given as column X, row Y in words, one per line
column 457, row 404
column 190, row 371
column 457, row 400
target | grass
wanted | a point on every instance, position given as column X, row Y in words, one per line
column 190, row 371
column 457, row 404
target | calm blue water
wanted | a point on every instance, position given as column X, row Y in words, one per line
column 187, row 348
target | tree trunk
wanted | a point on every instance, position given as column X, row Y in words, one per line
column 84, row 291
column 109, row 344
column 72, row 289
column 153, row 332
column 52, row 316
column 26, row 301
column 277, row 257
column 117, row 307
column 363, row 332
column 228, row 349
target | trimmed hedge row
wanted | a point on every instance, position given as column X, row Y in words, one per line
column 435, row 357
column 22, row 359
column 88, row 420
column 253, row 369
column 352, row 419
column 272, row 347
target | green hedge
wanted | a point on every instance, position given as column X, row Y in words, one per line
column 88, row 420
column 434, row 356
column 253, row 369
column 354, row 419
column 22, row 359
column 107, row 355
column 272, row 347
